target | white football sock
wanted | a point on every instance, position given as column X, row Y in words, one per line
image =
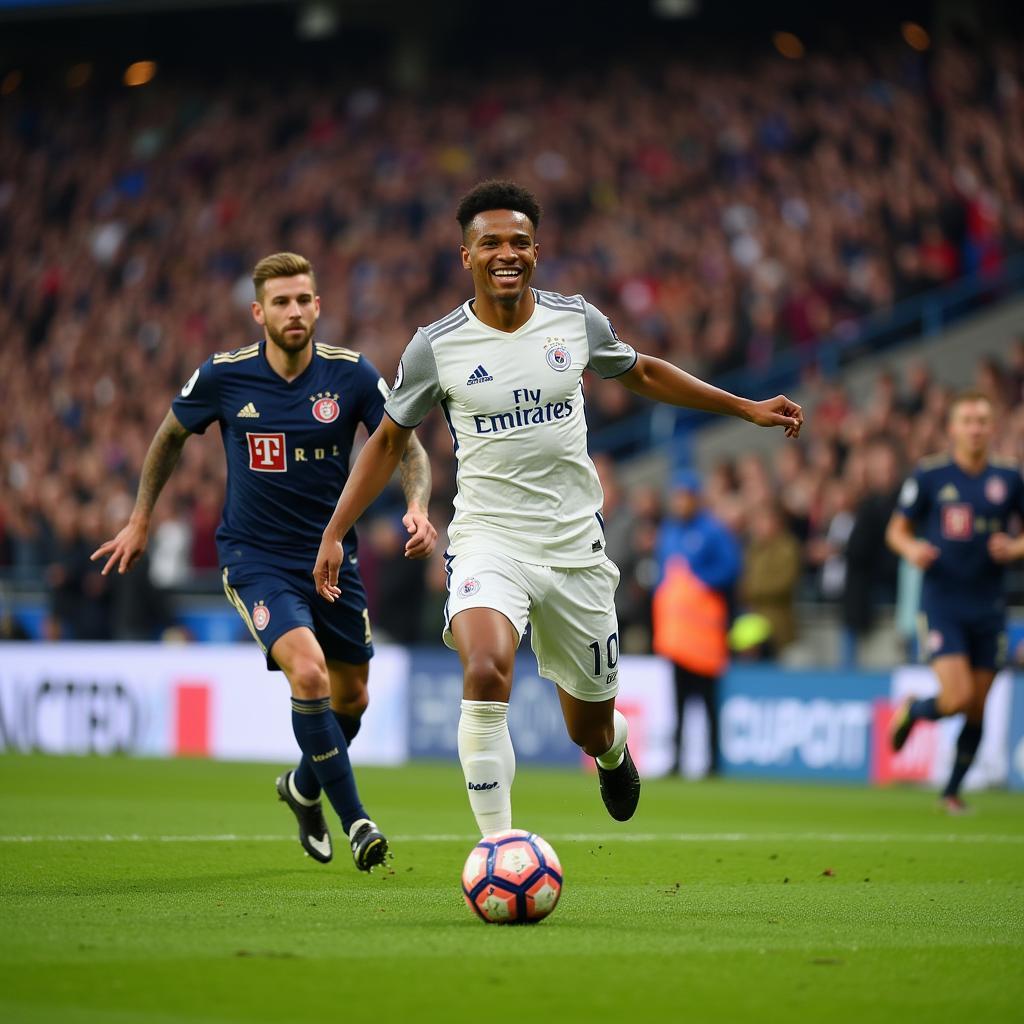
column 488, row 763
column 612, row 757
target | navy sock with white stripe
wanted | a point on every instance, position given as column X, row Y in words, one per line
column 323, row 745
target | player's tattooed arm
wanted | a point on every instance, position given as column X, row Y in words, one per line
column 414, row 473
column 162, row 457
column 126, row 548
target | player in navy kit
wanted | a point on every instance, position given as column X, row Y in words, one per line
column 288, row 409
column 952, row 521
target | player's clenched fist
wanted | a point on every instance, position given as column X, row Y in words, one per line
column 422, row 535
column 778, row 412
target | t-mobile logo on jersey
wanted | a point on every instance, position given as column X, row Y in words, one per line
column 266, row 453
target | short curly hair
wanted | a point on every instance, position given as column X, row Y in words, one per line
column 497, row 195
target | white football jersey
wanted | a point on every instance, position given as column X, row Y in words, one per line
column 514, row 404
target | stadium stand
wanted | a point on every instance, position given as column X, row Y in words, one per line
column 739, row 221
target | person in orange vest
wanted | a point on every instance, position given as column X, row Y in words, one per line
column 698, row 565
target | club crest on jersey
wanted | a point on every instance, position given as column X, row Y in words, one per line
column 557, row 354
column 325, row 406
column 260, row 616
column 995, row 490
column 467, row 588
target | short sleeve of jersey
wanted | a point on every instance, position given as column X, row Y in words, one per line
column 373, row 392
column 609, row 356
column 913, row 498
column 197, row 405
column 416, row 389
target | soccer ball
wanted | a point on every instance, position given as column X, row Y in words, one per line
column 512, row 877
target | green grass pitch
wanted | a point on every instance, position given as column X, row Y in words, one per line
column 160, row 891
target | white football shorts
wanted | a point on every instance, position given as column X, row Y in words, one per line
column 571, row 612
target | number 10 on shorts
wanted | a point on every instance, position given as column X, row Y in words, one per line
column 611, row 648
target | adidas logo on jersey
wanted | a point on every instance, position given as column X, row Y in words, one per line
column 248, row 412
column 479, row 376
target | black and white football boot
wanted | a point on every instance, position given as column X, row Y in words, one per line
column 369, row 846
column 313, row 832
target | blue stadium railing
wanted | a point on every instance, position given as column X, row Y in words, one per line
column 920, row 317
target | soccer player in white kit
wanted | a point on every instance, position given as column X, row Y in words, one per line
column 527, row 538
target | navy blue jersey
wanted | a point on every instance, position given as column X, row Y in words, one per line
column 287, row 444
column 958, row 512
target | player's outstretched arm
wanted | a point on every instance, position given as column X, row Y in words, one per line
column 125, row 549
column 661, row 381
column 900, row 537
column 414, row 472
column 370, row 474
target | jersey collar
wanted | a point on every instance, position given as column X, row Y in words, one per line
column 468, row 308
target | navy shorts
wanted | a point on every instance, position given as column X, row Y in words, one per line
column 272, row 601
column 982, row 640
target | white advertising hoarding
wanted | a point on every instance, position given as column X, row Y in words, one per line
column 161, row 700
column 219, row 700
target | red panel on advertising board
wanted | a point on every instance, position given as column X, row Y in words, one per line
column 192, row 719
column 914, row 762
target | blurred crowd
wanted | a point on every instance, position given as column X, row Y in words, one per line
column 811, row 519
column 719, row 216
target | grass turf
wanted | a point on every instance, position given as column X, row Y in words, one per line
column 722, row 901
